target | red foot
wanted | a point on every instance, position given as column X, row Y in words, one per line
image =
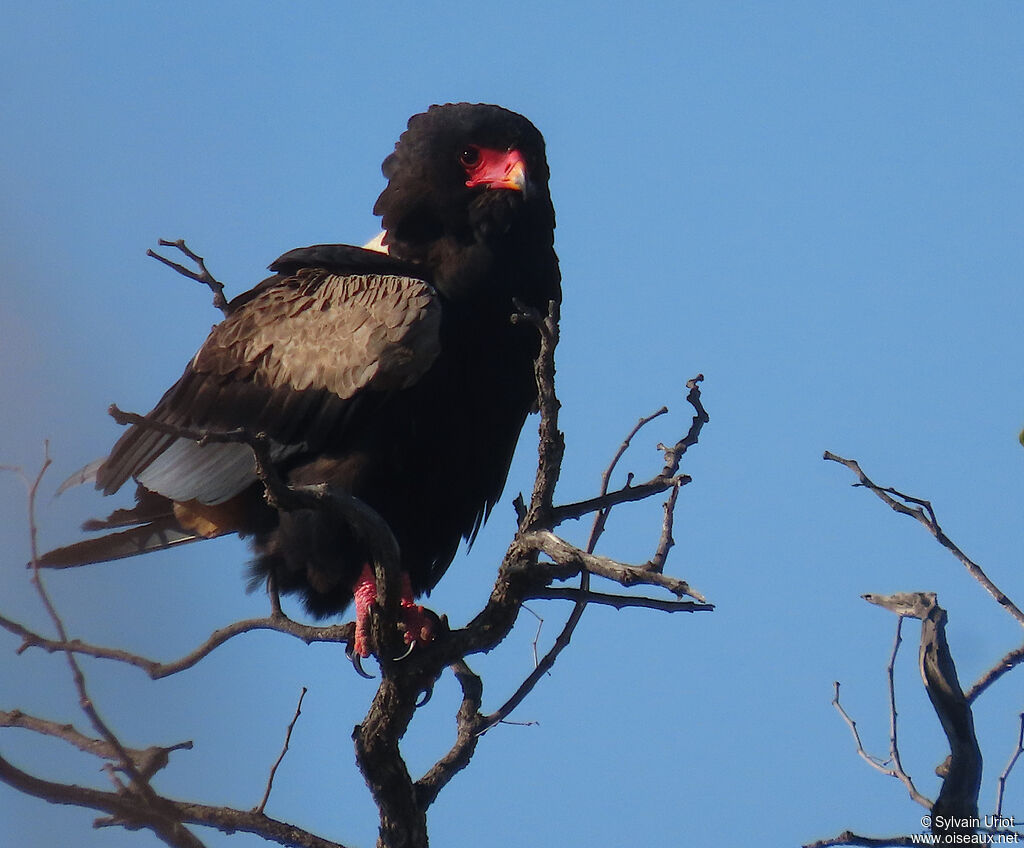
column 419, row 626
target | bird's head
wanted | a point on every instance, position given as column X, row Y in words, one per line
column 467, row 193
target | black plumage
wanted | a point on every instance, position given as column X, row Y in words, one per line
column 398, row 378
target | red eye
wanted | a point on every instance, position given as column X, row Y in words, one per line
column 470, row 156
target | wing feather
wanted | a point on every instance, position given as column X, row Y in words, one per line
column 292, row 360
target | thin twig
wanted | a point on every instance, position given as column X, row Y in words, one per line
column 284, row 750
column 668, row 477
column 894, row 748
column 168, row 828
column 583, row 595
column 536, row 636
column 601, row 516
column 922, row 512
column 873, row 761
column 343, row 633
column 84, row 700
column 1001, row 783
column 876, row 762
column 148, row 761
column 1007, row 663
column 202, row 276
column 587, row 563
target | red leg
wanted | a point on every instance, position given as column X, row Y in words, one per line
column 419, row 627
column 365, row 595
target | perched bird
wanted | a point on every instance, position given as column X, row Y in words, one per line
column 393, row 375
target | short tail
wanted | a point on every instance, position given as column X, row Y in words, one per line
column 156, row 535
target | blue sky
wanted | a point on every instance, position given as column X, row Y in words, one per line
column 817, row 205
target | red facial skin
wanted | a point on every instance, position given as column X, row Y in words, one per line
column 494, row 168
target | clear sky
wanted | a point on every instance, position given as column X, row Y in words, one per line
column 817, row 205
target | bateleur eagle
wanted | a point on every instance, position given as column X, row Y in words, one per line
column 396, row 377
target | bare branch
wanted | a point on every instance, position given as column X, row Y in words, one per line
column 125, row 762
column 665, row 542
column 922, row 511
column 539, row 670
column 202, row 276
column 897, row 771
column 469, row 725
column 148, row 761
column 343, row 633
column 167, row 817
column 284, row 750
column 957, row 803
column 1001, row 783
column 575, row 560
column 873, row 761
column 601, row 517
column 674, row 453
column 894, row 748
column 551, row 445
column 617, row 601
column 667, row 478
column 1007, row 663
column 582, row 596
column 627, row 494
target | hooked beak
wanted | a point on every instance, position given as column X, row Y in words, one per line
column 500, row 169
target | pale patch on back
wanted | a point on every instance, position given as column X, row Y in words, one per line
column 377, row 243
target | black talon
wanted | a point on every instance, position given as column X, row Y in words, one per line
column 407, row 652
column 357, row 663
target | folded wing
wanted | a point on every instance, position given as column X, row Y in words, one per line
column 290, row 361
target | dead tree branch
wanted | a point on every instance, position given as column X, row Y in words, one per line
column 166, row 819
column 896, row 770
column 148, row 761
column 877, row 763
column 954, row 813
column 1001, row 783
column 921, row 511
column 958, row 798
column 342, row 633
column 1008, row 662
column 201, row 276
column 284, row 750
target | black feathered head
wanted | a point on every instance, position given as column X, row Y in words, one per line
column 467, row 191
